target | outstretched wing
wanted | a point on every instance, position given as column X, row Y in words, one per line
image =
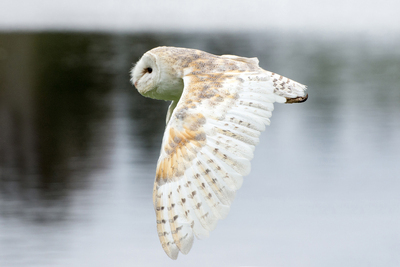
column 207, row 147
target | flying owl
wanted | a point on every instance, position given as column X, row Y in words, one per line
column 220, row 105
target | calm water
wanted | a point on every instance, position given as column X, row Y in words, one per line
column 78, row 151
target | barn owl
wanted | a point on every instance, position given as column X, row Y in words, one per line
column 220, row 105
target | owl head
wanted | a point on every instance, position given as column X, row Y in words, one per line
column 154, row 77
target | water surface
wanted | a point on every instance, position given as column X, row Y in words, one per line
column 78, row 151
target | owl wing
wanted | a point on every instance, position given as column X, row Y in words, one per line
column 207, row 147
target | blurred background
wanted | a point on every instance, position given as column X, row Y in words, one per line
column 79, row 145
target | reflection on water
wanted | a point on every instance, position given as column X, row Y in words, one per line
column 78, row 148
column 52, row 97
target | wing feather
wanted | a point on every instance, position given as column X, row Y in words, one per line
column 207, row 147
column 210, row 175
column 232, row 179
column 197, row 202
column 163, row 226
column 209, row 190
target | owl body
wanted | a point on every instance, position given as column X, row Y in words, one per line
column 172, row 64
column 220, row 105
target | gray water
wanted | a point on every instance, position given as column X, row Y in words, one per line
column 78, row 151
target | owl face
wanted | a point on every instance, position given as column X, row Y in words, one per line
column 154, row 77
column 146, row 75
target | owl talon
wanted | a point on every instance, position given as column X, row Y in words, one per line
column 296, row 100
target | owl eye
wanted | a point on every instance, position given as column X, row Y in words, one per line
column 149, row 70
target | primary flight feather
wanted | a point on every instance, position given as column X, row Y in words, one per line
column 220, row 105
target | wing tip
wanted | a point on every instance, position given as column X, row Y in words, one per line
column 187, row 246
column 173, row 254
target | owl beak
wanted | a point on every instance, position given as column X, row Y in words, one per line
column 135, row 84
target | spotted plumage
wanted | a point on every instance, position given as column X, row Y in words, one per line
column 220, row 105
